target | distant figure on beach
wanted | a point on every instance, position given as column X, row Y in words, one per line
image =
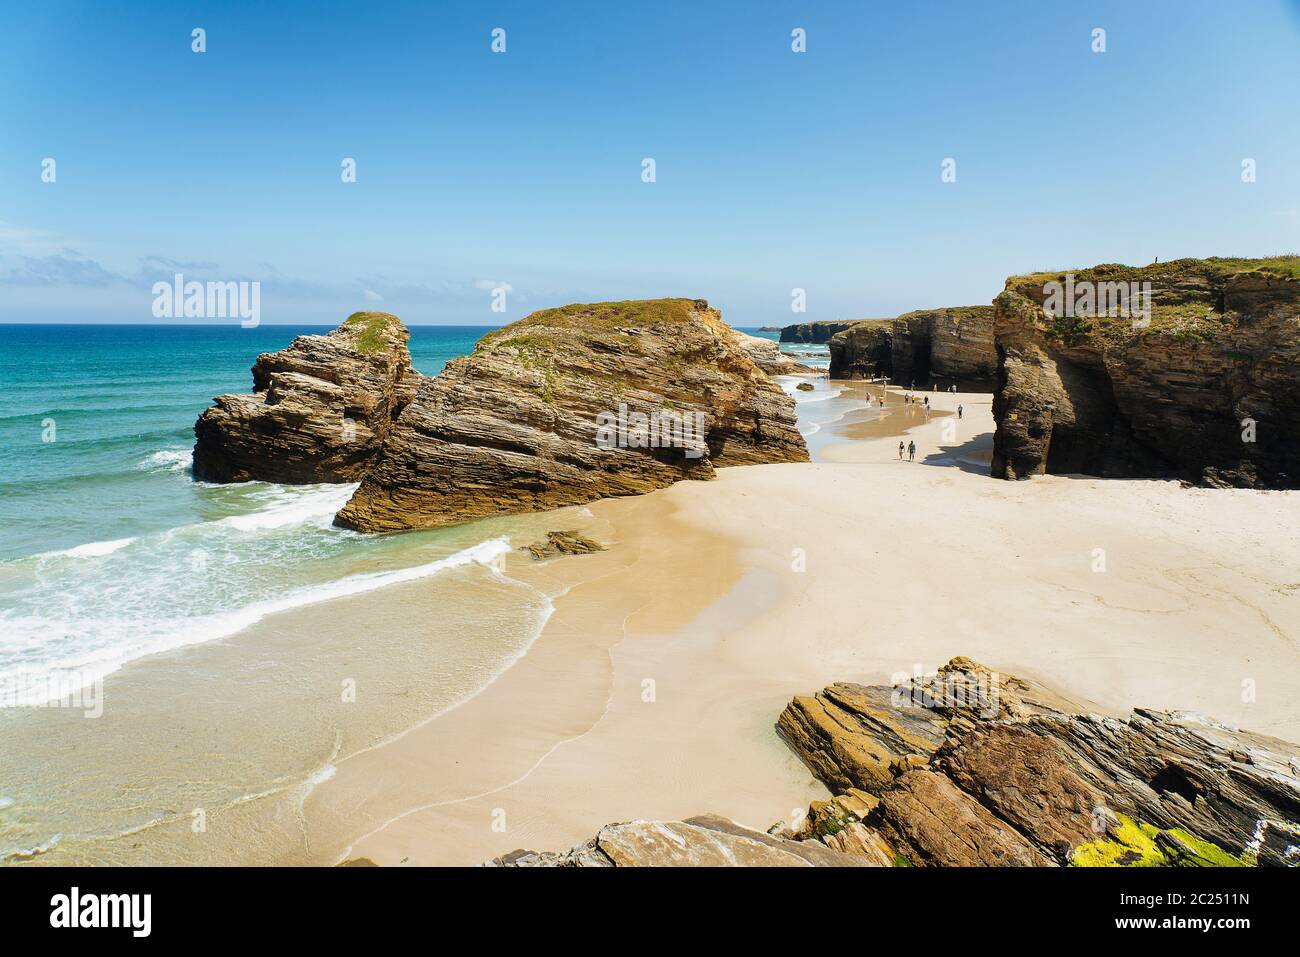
column 959, row 412
column 911, row 451
column 900, row 451
column 927, row 402
column 954, row 388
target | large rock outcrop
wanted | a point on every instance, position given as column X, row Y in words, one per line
column 319, row 411
column 563, row 407
column 1205, row 387
column 815, row 332
column 954, row 344
column 966, row 767
column 573, row 404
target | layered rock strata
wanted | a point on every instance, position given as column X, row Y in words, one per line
column 970, row 768
column 815, row 332
column 1188, row 370
column 954, row 344
column 319, row 411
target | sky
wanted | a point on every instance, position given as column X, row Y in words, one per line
column 775, row 170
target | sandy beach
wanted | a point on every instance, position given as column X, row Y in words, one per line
column 653, row 689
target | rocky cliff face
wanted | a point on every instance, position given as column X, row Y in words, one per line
column 863, row 351
column 319, row 411
column 953, row 344
column 815, row 332
column 563, row 407
column 1204, row 388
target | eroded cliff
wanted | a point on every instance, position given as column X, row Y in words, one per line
column 1200, row 381
column 953, row 344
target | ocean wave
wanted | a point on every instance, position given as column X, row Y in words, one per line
column 316, row 504
column 92, row 549
column 168, row 460
column 50, row 659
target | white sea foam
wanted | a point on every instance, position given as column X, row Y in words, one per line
column 168, row 460
column 92, row 549
column 186, row 586
column 317, row 505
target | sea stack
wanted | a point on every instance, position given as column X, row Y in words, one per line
column 319, row 411
column 573, row 404
column 1188, row 369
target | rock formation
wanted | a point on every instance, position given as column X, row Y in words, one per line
column 954, row 344
column 864, row 351
column 1204, row 387
column 707, row 841
column 815, row 332
column 563, row 407
column 319, row 411
column 563, row 543
column 574, row 404
column 969, row 768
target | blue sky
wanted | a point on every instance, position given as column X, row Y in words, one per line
column 775, row 170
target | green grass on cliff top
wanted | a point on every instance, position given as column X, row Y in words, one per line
column 1215, row 268
column 631, row 313
column 371, row 329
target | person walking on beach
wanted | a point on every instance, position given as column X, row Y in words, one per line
column 900, row 451
column 927, row 403
column 911, row 451
column 959, row 412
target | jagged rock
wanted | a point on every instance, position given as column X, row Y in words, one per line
column 707, row 841
column 563, row 543
column 516, row 426
column 856, row 838
column 954, row 344
column 850, row 735
column 805, row 386
column 941, row 825
column 1058, row 781
column 319, row 411
column 1169, row 395
column 815, row 332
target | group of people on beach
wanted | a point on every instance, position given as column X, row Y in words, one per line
column 910, row 449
